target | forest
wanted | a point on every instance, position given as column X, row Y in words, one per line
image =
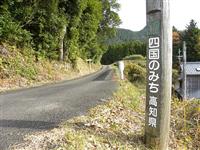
column 59, row 29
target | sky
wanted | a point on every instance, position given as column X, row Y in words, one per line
column 133, row 13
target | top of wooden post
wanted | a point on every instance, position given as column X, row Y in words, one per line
column 153, row 6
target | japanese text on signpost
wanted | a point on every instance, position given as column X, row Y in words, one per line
column 153, row 79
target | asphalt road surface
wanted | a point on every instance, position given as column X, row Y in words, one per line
column 42, row 108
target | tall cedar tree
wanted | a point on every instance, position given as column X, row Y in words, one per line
column 192, row 38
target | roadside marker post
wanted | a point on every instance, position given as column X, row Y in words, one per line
column 121, row 69
column 159, row 74
column 89, row 61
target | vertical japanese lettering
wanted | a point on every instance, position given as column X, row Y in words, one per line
column 153, row 79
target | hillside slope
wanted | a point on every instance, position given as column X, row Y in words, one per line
column 125, row 35
column 19, row 68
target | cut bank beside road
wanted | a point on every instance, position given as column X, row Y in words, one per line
column 19, row 69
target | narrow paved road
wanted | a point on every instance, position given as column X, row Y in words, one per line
column 41, row 108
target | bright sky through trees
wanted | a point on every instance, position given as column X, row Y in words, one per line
column 133, row 13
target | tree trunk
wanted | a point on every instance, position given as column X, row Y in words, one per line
column 61, row 44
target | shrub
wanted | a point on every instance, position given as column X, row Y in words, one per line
column 12, row 32
column 135, row 73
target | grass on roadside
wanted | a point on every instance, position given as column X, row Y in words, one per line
column 185, row 127
column 114, row 125
column 18, row 68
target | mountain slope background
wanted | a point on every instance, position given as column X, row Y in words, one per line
column 125, row 35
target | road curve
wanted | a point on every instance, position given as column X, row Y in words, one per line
column 41, row 108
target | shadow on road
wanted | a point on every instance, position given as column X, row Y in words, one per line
column 27, row 124
column 107, row 75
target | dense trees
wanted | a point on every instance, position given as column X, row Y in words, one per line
column 125, row 43
column 110, row 18
column 119, row 51
column 59, row 28
column 192, row 37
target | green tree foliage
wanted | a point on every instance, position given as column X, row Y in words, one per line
column 192, row 37
column 111, row 20
column 73, row 28
column 40, row 19
column 119, row 51
column 12, row 32
column 46, row 28
column 84, row 17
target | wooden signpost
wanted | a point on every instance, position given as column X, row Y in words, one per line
column 159, row 74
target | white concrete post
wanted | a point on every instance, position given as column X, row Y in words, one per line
column 121, row 69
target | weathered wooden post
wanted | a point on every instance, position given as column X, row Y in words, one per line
column 184, row 72
column 159, row 74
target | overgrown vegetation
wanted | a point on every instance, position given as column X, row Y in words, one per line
column 16, row 63
column 185, row 127
column 19, row 69
column 59, row 29
column 135, row 73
